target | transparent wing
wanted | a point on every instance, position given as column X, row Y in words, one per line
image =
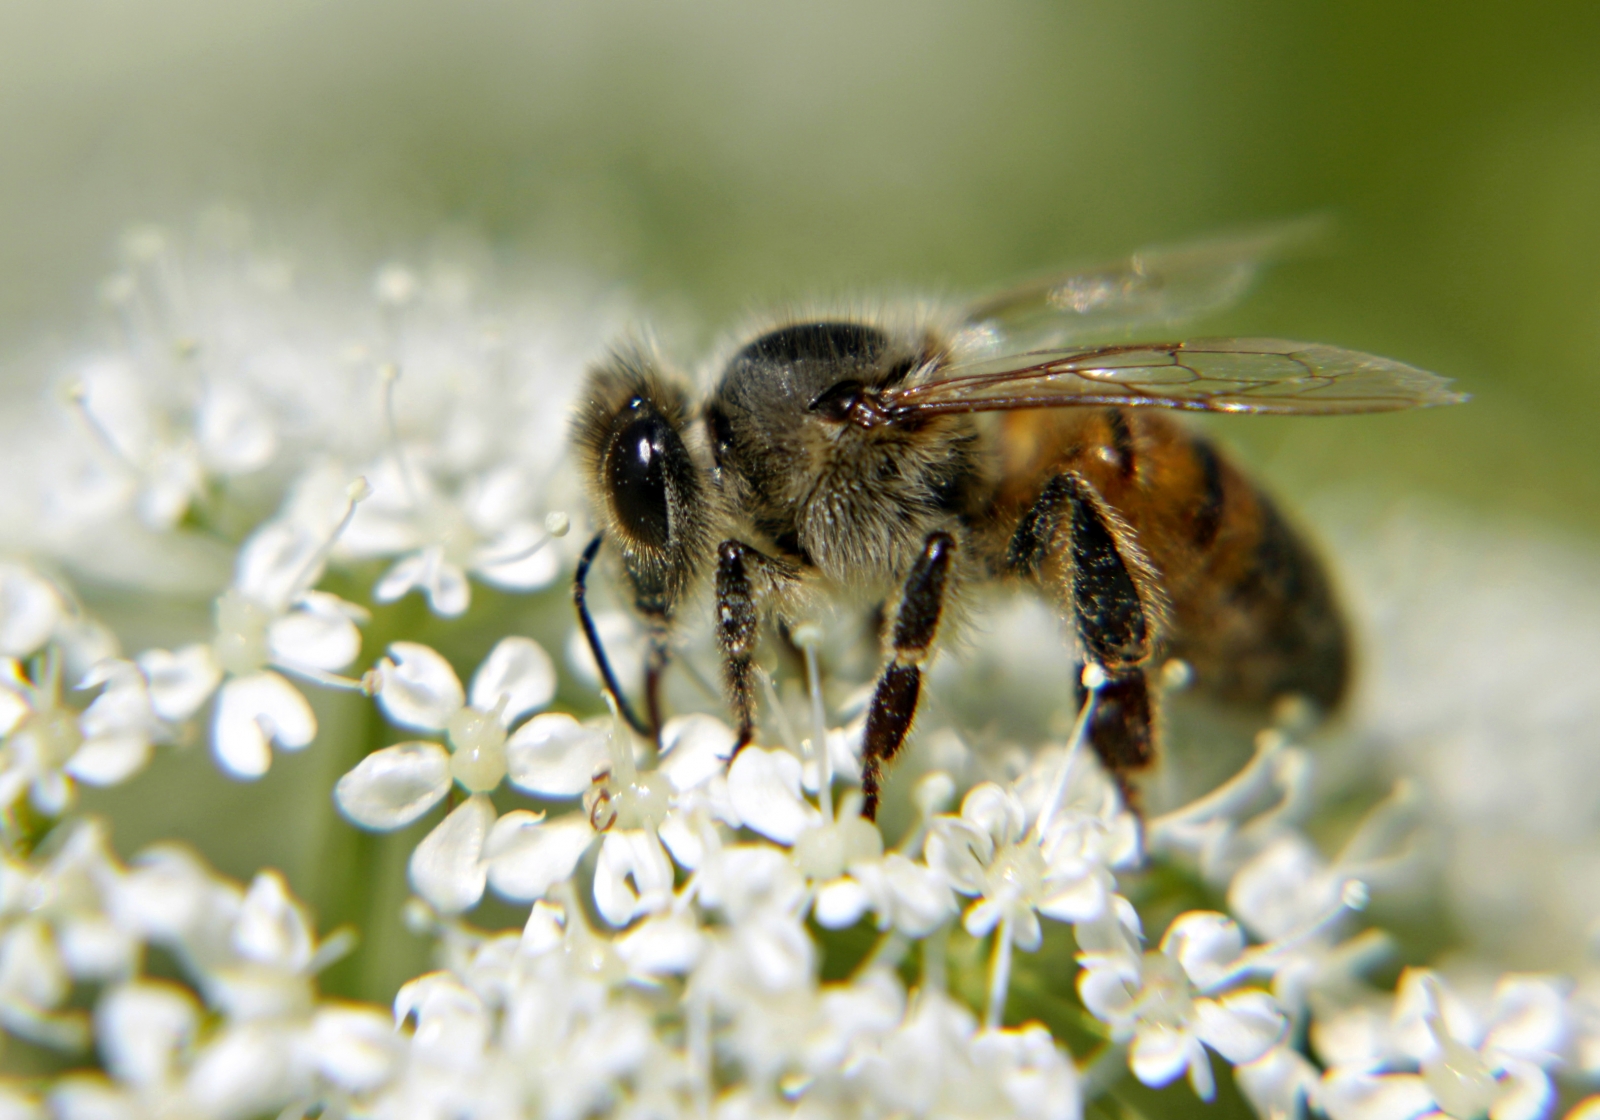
column 1258, row 375
column 1154, row 288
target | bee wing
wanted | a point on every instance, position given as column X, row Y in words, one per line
column 1154, row 288
column 1259, row 375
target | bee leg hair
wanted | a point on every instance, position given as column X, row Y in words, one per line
column 894, row 701
column 1115, row 628
column 739, row 598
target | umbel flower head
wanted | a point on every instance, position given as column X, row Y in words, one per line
column 614, row 926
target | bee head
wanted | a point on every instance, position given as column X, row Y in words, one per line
column 645, row 488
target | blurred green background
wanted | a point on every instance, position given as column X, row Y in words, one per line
column 717, row 156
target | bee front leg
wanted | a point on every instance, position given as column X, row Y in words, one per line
column 894, row 701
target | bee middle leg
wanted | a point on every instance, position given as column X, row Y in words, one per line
column 745, row 578
column 894, row 700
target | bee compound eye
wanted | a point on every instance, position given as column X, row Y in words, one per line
column 636, row 475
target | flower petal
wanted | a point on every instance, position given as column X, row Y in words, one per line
column 919, row 898
column 410, row 571
column 520, row 559
column 519, row 669
column 444, row 583
column 29, row 609
column 271, row 928
column 497, row 498
column 1241, row 1027
column 355, row 1048
column 840, row 903
column 1281, row 1084
column 253, row 712
column 447, row 869
column 982, row 916
column 1160, row 1054
column 141, row 1029
column 1205, row 943
column 661, row 946
column 318, row 632
column 418, row 688
column 449, row 594
column 632, row 877
column 1529, row 1016
column 234, row 433
column 555, row 756
column 764, row 786
column 544, row 929
column 1108, row 988
column 527, row 858
column 1080, row 899
column 1025, row 932
column 123, row 706
column 1526, row 1092
column 278, row 562
column 394, row 786
column 995, row 810
column 1283, row 887
column 108, row 760
column 244, row 1070
column 959, row 850
column 695, row 748
column 180, row 681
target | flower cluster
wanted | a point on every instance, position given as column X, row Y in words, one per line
column 697, row 930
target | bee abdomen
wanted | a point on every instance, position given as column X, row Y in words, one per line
column 1209, row 510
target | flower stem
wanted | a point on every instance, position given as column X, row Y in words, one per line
column 999, row 973
column 934, row 969
column 698, row 1029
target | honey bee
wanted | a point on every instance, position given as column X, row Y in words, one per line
column 894, row 459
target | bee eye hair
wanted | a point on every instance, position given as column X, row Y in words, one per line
column 637, row 464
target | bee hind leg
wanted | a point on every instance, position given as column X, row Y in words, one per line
column 1122, row 728
column 1111, row 592
column 894, row 700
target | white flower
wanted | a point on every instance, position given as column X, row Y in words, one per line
column 47, row 746
column 1287, row 890
column 938, row 1063
column 268, row 620
column 394, row 786
column 442, row 537
column 844, row 857
column 165, row 449
column 58, row 927
column 1467, row 1067
column 1166, row 1002
column 989, row 851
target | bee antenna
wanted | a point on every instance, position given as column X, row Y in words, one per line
column 586, row 620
